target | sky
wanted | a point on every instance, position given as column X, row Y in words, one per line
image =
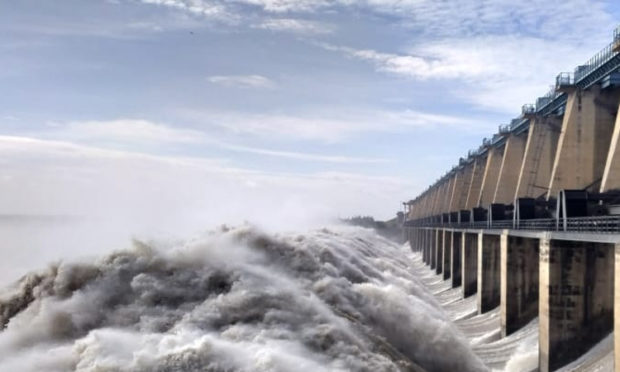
column 187, row 113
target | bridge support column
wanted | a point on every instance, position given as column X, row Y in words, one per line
column 576, row 305
column 455, row 261
column 438, row 250
column 488, row 272
column 519, row 282
column 469, row 269
column 447, row 254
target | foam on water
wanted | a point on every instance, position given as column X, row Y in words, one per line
column 338, row 299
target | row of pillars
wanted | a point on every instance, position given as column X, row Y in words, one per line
column 577, row 149
column 565, row 280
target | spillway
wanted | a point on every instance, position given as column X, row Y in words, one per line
column 516, row 353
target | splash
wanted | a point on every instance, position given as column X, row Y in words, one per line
column 338, row 299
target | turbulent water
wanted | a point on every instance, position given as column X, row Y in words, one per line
column 339, row 299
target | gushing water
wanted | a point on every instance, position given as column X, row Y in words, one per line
column 337, row 299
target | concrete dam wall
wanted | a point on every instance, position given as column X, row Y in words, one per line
column 530, row 221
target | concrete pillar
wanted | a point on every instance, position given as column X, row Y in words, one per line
column 491, row 176
column 425, row 249
column 433, row 248
column 448, row 194
column 576, row 301
column 519, row 282
column 439, row 251
column 461, row 191
column 611, row 174
column 617, row 308
column 430, row 242
column 447, row 254
column 476, row 183
column 456, row 190
column 420, row 240
column 469, row 256
column 437, row 200
column 583, row 145
column 488, row 272
column 455, row 260
column 540, row 149
column 441, row 206
column 509, row 170
column 426, row 204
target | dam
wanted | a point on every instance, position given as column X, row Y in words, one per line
column 528, row 224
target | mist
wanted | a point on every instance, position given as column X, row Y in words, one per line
column 61, row 200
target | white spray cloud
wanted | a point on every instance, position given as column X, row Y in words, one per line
column 233, row 300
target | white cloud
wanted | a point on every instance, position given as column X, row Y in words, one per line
column 417, row 66
column 280, row 6
column 489, row 71
column 306, row 156
column 295, row 25
column 552, row 19
column 242, row 81
column 131, row 132
column 207, row 8
column 331, row 125
column 125, row 130
column 159, row 192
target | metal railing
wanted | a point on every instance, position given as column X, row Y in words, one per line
column 605, row 224
column 564, row 79
column 528, row 109
column 540, row 224
column 599, row 59
column 598, row 224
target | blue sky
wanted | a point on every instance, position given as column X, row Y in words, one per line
column 263, row 108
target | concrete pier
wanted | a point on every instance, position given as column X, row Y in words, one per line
column 455, row 261
column 461, row 189
column 433, row 248
column 519, row 281
column 438, row 251
column 491, row 175
column 509, row 169
column 426, row 246
column 447, row 254
column 488, row 272
column 576, row 303
column 542, row 143
column 473, row 195
column 469, row 256
column 583, row 145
